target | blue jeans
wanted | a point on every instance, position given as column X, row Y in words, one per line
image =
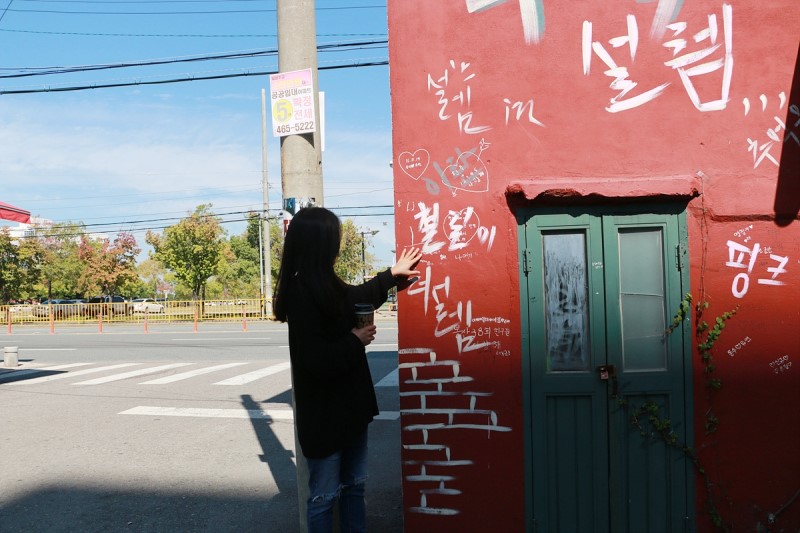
column 341, row 475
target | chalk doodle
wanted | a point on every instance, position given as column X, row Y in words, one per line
column 451, row 317
column 781, row 364
column 762, row 150
column 467, row 171
column 737, row 253
column 519, row 108
column 742, row 232
column 459, row 227
column 462, row 226
column 691, row 64
column 531, row 12
column 428, row 225
column 414, row 164
column 739, row 346
column 455, row 95
column 434, row 458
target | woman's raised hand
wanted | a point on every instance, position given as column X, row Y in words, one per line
column 407, row 262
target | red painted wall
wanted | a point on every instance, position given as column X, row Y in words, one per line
column 501, row 106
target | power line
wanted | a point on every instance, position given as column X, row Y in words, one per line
column 184, row 35
column 44, row 71
column 214, row 12
column 181, row 80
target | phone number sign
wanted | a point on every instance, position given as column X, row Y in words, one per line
column 292, row 102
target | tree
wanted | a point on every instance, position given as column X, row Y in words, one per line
column 191, row 248
column 349, row 265
column 61, row 266
column 20, row 261
column 152, row 274
column 107, row 265
column 240, row 268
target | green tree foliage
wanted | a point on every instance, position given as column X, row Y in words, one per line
column 61, row 266
column 240, row 267
column 275, row 249
column 108, row 265
column 350, row 265
column 20, row 261
column 152, row 277
column 191, row 249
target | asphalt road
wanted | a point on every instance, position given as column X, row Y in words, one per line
column 169, row 431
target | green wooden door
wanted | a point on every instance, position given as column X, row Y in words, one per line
column 599, row 290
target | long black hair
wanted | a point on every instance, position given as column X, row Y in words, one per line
column 310, row 249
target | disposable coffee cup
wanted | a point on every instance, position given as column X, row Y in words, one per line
column 365, row 315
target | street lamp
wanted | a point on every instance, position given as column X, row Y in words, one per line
column 363, row 254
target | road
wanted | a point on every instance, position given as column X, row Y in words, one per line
column 172, row 430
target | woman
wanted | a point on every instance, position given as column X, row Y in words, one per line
column 333, row 391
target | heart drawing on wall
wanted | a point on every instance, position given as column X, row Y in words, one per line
column 414, row 164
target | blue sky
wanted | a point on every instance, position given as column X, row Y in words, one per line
column 115, row 157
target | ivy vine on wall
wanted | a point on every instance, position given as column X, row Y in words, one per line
column 651, row 424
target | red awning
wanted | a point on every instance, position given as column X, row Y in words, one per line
column 10, row 212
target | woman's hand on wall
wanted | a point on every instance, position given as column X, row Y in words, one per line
column 406, row 264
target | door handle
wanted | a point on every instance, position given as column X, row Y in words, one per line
column 609, row 372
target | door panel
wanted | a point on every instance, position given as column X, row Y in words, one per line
column 571, row 472
column 599, row 290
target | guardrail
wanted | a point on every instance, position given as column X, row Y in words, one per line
column 66, row 314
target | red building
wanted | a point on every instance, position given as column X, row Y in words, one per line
column 572, row 170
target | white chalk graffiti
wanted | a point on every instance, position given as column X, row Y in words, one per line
column 736, row 259
column 781, row 364
column 742, row 232
column 531, row 12
column 666, row 12
column 414, row 164
column 428, row 225
column 519, row 108
column 459, row 227
column 739, row 346
column 452, row 317
column 463, row 226
column 436, row 459
column 690, row 65
column 761, row 150
column 448, row 93
column 467, row 172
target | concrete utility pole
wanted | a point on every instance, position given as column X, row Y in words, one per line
column 265, row 250
column 301, row 155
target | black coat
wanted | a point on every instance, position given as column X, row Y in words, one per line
column 333, row 392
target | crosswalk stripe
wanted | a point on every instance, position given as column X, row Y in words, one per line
column 14, row 374
column 207, row 412
column 190, row 374
column 131, row 374
column 71, row 374
column 271, row 414
column 257, row 374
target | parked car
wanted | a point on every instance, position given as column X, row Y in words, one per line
column 109, row 305
column 146, row 305
column 61, row 308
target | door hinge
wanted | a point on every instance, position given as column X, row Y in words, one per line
column 526, row 261
column 680, row 255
